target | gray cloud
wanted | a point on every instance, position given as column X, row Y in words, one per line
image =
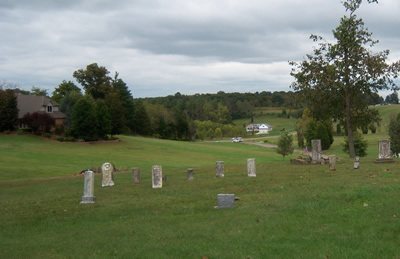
column 161, row 47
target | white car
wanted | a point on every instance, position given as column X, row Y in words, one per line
column 237, row 140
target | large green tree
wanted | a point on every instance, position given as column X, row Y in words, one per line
column 84, row 119
column 333, row 79
column 95, row 80
column 63, row 89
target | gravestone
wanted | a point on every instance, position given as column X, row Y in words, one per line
column 220, row 169
column 190, row 174
column 251, row 167
column 225, row 201
column 156, row 176
column 385, row 154
column 316, row 150
column 88, row 188
column 136, row 175
column 356, row 162
column 107, row 172
column 332, row 163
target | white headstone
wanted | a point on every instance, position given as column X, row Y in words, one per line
column 136, row 175
column 332, row 163
column 316, row 150
column 107, row 171
column 190, row 174
column 251, row 167
column 384, row 149
column 156, row 176
column 88, row 188
column 220, row 169
column 356, row 162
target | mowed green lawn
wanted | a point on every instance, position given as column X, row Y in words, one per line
column 287, row 211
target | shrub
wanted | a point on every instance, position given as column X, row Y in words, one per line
column 394, row 135
column 285, row 144
column 360, row 145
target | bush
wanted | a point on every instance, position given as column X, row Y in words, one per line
column 394, row 135
column 319, row 130
column 360, row 145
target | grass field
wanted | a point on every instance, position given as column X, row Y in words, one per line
column 287, row 211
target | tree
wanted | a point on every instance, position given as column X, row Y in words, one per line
column 38, row 91
column 394, row 135
column 126, row 100
column 84, row 119
column 103, row 118
column 95, row 80
column 285, row 144
column 333, row 80
column 63, row 89
column 67, row 105
column 392, row 98
column 8, row 110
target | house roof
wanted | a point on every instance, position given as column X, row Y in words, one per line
column 257, row 125
column 33, row 103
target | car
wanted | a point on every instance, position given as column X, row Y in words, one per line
column 237, row 140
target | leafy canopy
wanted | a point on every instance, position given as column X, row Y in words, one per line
column 333, row 80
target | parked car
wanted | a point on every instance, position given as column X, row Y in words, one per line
column 237, row 140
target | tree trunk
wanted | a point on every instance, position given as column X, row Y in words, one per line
column 349, row 126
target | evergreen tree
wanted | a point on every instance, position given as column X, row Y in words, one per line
column 103, row 117
column 394, row 135
column 84, row 119
column 8, row 110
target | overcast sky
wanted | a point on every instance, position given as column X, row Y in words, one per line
column 160, row 47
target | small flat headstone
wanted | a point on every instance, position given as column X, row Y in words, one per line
column 225, row 201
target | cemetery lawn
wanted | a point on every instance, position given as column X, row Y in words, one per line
column 287, row 211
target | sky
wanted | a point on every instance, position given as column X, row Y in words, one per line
column 161, row 47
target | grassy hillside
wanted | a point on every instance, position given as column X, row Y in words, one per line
column 287, row 211
column 26, row 157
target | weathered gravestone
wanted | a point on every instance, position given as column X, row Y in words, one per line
column 156, row 176
column 220, row 169
column 316, row 151
column 385, row 154
column 332, row 163
column 225, row 201
column 356, row 162
column 251, row 167
column 88, row 188
column 136, row 175
column 190, row 173
column 107, row 172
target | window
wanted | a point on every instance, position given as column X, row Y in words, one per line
column 49, row 108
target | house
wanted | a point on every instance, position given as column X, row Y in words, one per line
column 259, row 128
column 42, row 104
